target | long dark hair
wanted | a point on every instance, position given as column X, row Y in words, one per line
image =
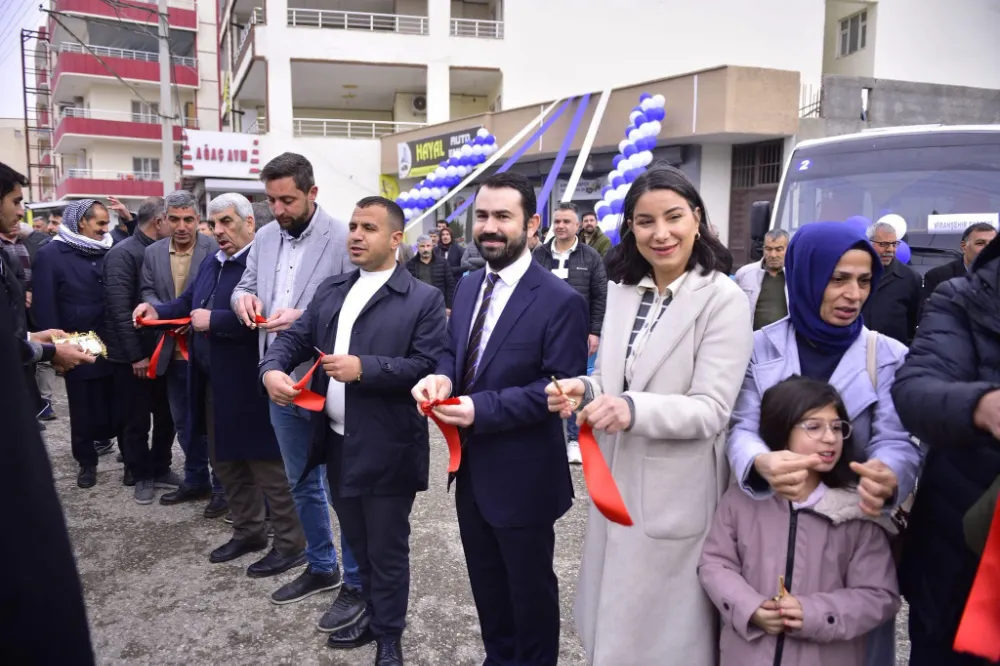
column 628, row 266
column 783, row 407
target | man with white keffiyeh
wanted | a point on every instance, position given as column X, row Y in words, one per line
column 68, row 286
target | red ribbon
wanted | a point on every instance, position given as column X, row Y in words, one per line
column 307, row 399
column 979, row 630
column 181, row 340
column 449, row 431
column 600, row 484
column 259, row 319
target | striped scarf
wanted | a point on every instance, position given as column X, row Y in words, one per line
column 69, row 230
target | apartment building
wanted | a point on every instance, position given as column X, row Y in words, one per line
column 98, row 68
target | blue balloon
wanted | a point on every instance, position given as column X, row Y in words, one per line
column 860, row 224
column 903, row 252
column 477, row 141
column 630, row 150
column 617, row 205
column 641, row 119
column 636, row 108
column 618, row 181
column 617, row 160
column 612, row 234
column 490, row 140
column 480, row 158
column 605, row 190
column 650, row 142
column 628, row 130
column 630, row 175
column 644, row 96
column 602, row 209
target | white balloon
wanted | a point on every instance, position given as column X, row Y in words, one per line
column 466, row 150
column 659, row 101
column 451, row 171
column 477, row 150
column 440, row 172
column 425, row 192
column 407, row 213
column 614, row 174
column 493, row 147
column 463, row 171
column 632, row 116
column 404, row 196
column 609, row 222
column 435, row 193
column 898, row 223
column 622, row 144
column 646, row 104
column 634, row 135
column 622, row 190
column 647, row 157
column 414, row 193
column 483, row 132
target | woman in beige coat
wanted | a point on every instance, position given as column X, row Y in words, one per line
column 675, row 345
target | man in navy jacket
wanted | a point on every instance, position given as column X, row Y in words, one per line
column 381, row 329
column 513, row 326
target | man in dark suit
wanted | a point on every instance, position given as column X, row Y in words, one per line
column 168, row 267
column 383, row 330
column 514, row 325
column 974, row 239
column 430, row 268
column 893, row 308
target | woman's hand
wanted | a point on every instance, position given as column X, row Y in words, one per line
column 791, row 612
column 768, row 618
column 563, row 402
column 606, row 413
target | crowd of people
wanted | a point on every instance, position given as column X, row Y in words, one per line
column 794, row 446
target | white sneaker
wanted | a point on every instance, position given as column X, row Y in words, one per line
column 573, row 453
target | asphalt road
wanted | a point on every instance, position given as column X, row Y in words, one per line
column 153, row 598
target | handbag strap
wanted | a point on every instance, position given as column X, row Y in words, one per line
column 871, row 358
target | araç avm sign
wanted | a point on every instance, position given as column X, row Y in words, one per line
column 220, row 154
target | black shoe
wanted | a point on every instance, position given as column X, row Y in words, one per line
column 127, row 479
column 217, row 506
column 185, row 494
column 353, row 636
column 234, row 549
column 345, row 610
column 87, row 478
column 306, row 585
column 389, row 651
column 275, row 563
column 103, row 447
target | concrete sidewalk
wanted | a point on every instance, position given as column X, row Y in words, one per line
column 153, row 598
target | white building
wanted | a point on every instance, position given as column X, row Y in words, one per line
column 345, row 81
column 101, row 72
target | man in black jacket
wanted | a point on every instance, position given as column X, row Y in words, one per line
column 383, row 330
column 947, row 394
column 974, row 239
column 448, row 249
column 428, row 267
column 141, row 401
column 583, row 268
column 894, row 307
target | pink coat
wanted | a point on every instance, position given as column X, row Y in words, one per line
column 841, row 572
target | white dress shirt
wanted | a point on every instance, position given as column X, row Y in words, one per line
column 561, row 271
column 357, row 298
column 509, row 277
column 289, row 257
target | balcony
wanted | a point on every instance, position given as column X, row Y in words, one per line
column 258, row 126
column 78, row 127
column 476, row 28
column 344, row 20
column 76, row 61
column 122, row 184
column 348, row 129
column 180, row 13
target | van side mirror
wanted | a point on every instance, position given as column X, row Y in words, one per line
column 760, row 222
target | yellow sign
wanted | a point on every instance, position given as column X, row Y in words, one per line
column 226, row 101
column 388, row 187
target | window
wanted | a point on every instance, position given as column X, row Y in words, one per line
column 145, row 113
column 146, row 168
column 757, row 164
column 853, row 33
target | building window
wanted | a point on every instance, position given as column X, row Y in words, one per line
column 145, row 113
column 757, row 164
column 853, row 33
column 146, row 168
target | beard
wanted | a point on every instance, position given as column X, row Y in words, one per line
column 503, row 256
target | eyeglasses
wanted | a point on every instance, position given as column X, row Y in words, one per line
column 885, row 245
column 816, row 428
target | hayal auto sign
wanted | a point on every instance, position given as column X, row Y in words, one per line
column 421, row 157
column 220, row 154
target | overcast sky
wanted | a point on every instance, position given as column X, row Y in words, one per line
column 14, row 15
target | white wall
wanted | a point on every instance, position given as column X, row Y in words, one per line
column 928, row 41
column 714, row 186
column 861, row 62
column 346, row 169
column 117, row 155
column 210, row 87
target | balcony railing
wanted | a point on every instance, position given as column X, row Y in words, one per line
column 348, row 129
column 339, row 20
column 123, row 116
column 461, row 27
column 258, row 126
column 256, row 18
column 92, row 174
column 127, row 54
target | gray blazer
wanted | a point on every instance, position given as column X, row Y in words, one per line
column 158, row 281
column 324, row 255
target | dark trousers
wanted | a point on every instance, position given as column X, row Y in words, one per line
column 142, row 403
column 928, row 650
column 377, row 529
column 247, row 483
column 513, row 583
column 90, row 415
column 193, row 444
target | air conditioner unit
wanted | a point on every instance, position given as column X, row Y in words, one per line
column 419, row 105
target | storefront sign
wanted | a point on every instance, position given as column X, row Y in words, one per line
column 586, row 190
column 419, row 158
column 956, row 223
column 220, row 154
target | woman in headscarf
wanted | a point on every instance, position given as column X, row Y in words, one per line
column 68, row 294
column 830, row 269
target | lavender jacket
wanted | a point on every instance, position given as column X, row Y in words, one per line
column 842, row 574
column 878, row 432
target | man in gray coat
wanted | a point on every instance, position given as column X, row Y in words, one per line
column 286, row 263
column 168, row 267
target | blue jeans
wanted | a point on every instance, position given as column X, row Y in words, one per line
column 591, row 361
column 294, row 431
column 572, row 429
column 195, row 447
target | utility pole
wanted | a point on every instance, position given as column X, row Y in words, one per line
column 166, row 105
